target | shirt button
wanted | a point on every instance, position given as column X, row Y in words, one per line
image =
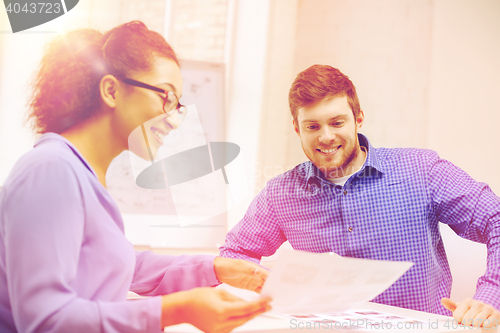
column 350, row 229
column 345, row 192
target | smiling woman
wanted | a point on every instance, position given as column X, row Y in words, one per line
column 96, row 66
column 151, row 136
column 65, row 264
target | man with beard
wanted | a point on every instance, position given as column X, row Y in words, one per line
column 374, row 203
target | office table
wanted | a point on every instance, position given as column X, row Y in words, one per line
column 273, row 324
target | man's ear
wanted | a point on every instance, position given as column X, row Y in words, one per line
column 360, row 119
column 296, row 127
column 108, row 87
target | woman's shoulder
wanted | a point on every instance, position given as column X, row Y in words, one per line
column 50, row 155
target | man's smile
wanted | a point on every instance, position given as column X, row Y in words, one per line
column 328, row 152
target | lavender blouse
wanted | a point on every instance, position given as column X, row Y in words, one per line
column 65, row 264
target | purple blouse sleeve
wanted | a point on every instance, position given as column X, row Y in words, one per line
column 43, row 230
column 161, row 274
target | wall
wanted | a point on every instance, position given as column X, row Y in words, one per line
column 246, row 86
column 463, row 113
column 385, row 48
column 197, row 29
column 275, row 128
column 465, row 82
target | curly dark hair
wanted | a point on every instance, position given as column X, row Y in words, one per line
column 317, row 83
column 65, row 90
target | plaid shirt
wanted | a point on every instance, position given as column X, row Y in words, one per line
column 388, row 210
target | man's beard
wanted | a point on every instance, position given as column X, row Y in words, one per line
column 341, row 169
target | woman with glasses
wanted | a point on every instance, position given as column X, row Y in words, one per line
column 65, row 264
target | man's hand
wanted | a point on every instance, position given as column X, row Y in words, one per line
column 240, row 273
column 471, row 312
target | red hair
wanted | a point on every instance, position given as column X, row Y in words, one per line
column 317, row 83
column 66, row 85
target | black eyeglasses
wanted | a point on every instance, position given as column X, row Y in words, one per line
column 171, row 102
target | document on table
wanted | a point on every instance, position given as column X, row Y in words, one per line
column 361, row 320
column 303, row 283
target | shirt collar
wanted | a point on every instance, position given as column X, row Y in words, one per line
column 372, row 159
column 372, row 162
column 57, row 137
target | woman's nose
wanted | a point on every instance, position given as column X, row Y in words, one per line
column 172, row 121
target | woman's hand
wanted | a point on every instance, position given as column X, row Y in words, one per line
column 240, row 273
column 210, row 310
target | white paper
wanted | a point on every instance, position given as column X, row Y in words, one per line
column 361, row 320
column 305, row 283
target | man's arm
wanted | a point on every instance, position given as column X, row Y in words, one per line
column 257, row 234
column 472, row 210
